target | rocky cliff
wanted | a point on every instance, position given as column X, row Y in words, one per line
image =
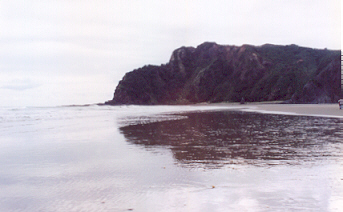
column 218, row 73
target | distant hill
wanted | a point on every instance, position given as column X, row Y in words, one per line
column 223, row 73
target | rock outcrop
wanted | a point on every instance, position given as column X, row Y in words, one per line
column 222, row 73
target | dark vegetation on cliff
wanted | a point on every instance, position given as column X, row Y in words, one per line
column 218, row 73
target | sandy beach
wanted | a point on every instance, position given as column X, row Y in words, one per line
column 322, row 110
column 211, row 157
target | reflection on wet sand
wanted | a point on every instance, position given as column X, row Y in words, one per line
column 213, row 139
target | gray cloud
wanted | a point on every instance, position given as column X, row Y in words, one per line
column 20, row 84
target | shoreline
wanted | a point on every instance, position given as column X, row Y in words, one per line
column 320, row 110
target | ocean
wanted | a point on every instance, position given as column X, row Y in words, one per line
column 168, row 158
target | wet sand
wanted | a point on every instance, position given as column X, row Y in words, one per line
column 322, row 110
column 260, row 160
column 217, row 138
column 172, row 158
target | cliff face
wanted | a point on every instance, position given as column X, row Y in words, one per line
column 217, row 73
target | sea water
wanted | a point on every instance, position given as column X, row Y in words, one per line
column 168, row 158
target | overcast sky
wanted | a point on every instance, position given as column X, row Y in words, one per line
column 60, row 52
